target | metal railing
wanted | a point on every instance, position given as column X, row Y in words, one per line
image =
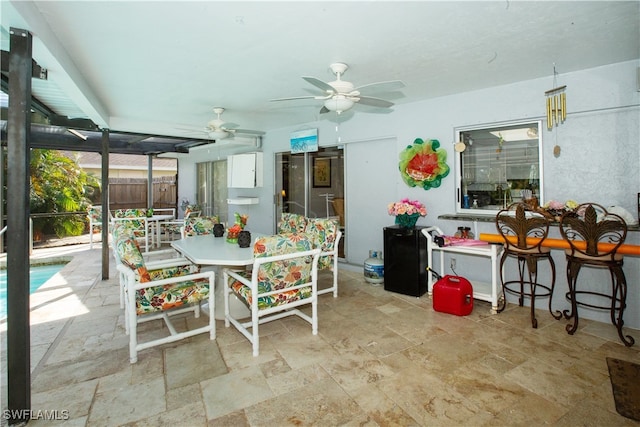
column 37, row 215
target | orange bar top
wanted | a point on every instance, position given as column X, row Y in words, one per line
column 562, row 244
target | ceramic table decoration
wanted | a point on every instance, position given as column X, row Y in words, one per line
column 234, row 231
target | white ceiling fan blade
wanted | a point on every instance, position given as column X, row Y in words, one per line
column 380, row 87
column 326, row 87
column 374, row 102
column 292, row 98
column 248, row 132
column 227, row 126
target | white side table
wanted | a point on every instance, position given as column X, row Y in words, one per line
column 481, row 290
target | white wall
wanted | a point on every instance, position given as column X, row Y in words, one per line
column 600, row 157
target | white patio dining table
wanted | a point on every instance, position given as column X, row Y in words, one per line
column 208, row 250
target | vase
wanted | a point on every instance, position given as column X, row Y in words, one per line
column 406, row 220
column 232, row 236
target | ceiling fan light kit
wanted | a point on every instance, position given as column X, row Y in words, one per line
column 338, row 104
column 218, row 134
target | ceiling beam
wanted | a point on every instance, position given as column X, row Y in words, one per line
column 58, row 138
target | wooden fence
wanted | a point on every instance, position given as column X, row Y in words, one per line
column 129, row 193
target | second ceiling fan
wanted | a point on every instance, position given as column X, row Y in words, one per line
column 219, row 129
column 340, row 95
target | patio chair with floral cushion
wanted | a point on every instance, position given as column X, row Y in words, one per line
column 136, row 221
column 325, row 234
column 94, row 214
column 171, row 228
column 292, row 223
column 164, row 258
column 160, row 293
column 200, row 225
column 284, row 277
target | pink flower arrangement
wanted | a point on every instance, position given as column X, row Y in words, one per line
column 555, row 205
column 407, row 207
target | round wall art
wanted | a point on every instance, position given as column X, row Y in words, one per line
column 423, row 164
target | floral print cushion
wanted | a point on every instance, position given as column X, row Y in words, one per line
column 191, row 210
column 129, row 254
column 200, row 225
column 323, row 233
column 171, row 227
column 168, row 272
column 158, row 298
column 95, row 214
column 139, row 225
column 278, row 275
column 129, row 213
column 266, row 301
column 130, row 228
column 292, row 223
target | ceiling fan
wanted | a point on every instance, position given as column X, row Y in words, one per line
column 340, row 95
column 219, row 129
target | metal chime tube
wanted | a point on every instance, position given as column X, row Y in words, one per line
column 556, row 106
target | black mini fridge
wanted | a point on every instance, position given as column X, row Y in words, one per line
column 405, row 260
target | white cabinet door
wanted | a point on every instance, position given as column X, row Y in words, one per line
column 244, row 170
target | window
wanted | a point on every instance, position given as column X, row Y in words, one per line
column 498, row 165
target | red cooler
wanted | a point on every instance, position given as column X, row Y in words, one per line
column 453, row 295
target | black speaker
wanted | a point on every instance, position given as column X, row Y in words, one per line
column 218, row 230
column 244, row 239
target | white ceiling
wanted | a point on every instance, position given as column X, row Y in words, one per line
column 161, row 67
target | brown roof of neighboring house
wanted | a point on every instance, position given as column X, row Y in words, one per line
column 128, row 161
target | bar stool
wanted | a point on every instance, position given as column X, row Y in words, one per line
column 524, row 231
column 594, row 236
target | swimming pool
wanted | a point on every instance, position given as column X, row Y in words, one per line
column 38, row 274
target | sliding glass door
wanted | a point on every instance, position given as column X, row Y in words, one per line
column 311, row 184
column 212, row 188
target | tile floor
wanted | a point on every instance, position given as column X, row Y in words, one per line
column 380, row 358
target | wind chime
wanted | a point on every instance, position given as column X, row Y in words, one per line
column 556, row 108
column 556, row 104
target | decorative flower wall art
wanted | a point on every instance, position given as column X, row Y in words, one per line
column 423, row 164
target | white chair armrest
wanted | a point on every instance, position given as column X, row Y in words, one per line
column 169, row 251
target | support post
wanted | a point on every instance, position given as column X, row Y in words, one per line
column 18, row 135
column 149, row 181
column 105, row 204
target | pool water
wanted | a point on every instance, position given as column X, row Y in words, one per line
column 38, row 276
